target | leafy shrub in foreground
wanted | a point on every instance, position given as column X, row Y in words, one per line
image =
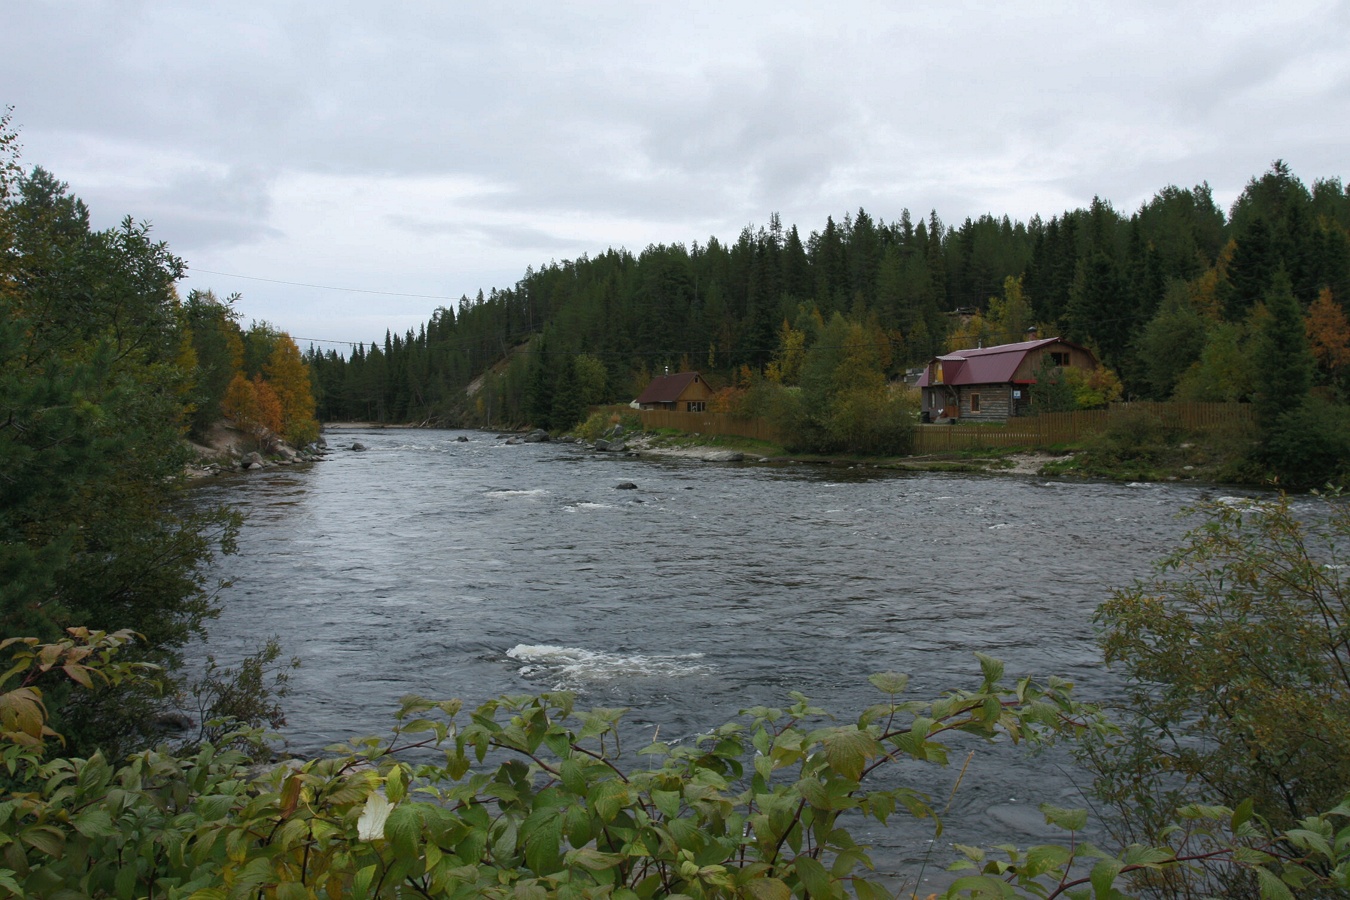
column 526, row 797
column 1238, row 655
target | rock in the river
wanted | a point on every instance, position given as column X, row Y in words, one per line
column 358, row 446
column 615, row 446
column 174, row 721
column 625, row 486
column 462, row 439
column 537, row 436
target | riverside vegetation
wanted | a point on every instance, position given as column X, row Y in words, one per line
column 1238, row 651
column 1180, row 300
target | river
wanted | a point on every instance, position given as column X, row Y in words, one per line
column 452, row 568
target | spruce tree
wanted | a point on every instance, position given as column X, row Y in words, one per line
column 1284, row 363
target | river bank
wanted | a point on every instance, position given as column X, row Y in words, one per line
column 1121, row 456
column 1212, row 459
column 228, row 448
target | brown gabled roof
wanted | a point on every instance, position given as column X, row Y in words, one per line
column 667, row 388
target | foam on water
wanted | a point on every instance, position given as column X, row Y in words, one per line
column 504, row 492
column 570, row 666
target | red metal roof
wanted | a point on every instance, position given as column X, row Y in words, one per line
column 667, row 388
column 984, row 365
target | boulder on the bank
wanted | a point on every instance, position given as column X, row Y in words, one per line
column 252, row 460
column 358, row 446
column 537, row 436
column 723, row 456
column 611, row 446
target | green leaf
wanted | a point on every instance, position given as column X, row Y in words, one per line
column 866, row 890
column 668, row 802
column 814, row 876
column 990, row 667
column 542, row 835
column 1152, row 857
column 361, row 883
column 403, row 830
column 595, row 860
column 889, row 682
column 608, row 798
column 1104, row 876
column 94, row 823
column 1241, row 815
column 1068, row 819
column 395, row 788
column 45, row 839
column 768, row 889
column 577, row 825
column 214, row 806
column 1272, row 888
column 292, row 890
column 847, row 751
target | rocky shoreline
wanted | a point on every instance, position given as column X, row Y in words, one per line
column 226, row 448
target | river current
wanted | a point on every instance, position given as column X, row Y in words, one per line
column 450, row 568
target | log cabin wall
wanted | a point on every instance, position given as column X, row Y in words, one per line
column 995, row 402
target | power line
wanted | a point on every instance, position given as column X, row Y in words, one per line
column 327, row 287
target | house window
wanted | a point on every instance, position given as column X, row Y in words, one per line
column 974, row 403
column 697, row 406
column 1059, row 359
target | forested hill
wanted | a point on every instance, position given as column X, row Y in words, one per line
column 1169, row 295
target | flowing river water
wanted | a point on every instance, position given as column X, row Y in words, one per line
column 449, row 568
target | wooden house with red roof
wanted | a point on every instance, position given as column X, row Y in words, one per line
column 682, row 392
column 993, row 383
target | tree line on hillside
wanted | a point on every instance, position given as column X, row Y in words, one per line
column 1171, row 297
column 104, row 371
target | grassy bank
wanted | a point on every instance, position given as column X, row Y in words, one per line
column 1132, row 449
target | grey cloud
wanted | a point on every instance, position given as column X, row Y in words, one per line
column 667, row 123
column 515, row 237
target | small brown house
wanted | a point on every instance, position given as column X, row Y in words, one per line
column 993, row 383
column 683, row 392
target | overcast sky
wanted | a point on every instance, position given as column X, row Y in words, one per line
column 436, row 148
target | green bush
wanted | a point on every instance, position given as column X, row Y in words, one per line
column 1237, row 656
column 530, row 797
column 1134, row 433
column 1309, row 446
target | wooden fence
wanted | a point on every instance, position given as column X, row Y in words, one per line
column 1028, row 431
column 1063, row 428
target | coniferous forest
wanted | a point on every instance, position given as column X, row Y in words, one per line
column 1175, row 297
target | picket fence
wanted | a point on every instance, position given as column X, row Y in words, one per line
column 1029, row 431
